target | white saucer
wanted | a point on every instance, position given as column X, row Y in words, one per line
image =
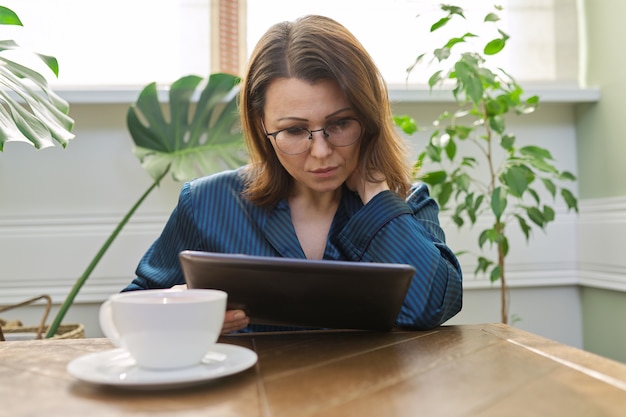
column 116, row 367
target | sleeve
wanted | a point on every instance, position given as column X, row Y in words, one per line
column 160, row 267
column 389, row 229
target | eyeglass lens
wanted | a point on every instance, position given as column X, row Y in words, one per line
column 341, row 132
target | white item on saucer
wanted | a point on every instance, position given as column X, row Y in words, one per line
column 164, row 329
column 117, row 367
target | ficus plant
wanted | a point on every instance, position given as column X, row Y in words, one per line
column 472, row 163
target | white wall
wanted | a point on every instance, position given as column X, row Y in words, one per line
column 58, row 206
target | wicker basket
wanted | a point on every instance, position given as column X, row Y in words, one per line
column 64, row 331
column 18, row 331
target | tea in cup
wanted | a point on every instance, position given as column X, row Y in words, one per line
column 164, row 329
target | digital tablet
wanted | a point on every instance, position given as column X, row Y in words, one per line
column 299, row 292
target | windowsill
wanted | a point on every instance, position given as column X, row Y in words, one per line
column 546, row 93
column 397, row 94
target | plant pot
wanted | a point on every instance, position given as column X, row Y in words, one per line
column 14, row 330
column 65, row 331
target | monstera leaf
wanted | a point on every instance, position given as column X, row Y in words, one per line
column 190, row 143
column 195, row 139
column 29, row 110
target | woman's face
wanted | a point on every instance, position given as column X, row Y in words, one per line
column 293, row 103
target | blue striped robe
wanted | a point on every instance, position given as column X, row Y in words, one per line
column 212, row 216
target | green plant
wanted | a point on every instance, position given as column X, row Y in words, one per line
column 194, row 140
column 29, row 110
column 496, row 178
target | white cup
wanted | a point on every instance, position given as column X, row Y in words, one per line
column 164, row 329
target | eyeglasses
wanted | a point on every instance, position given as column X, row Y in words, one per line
column 297, row 140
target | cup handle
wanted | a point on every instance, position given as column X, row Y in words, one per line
column 107, row 324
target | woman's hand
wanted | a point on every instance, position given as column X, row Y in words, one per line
column 233, row 319
column 366, row 188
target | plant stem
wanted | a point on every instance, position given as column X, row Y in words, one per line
column 69, row 300
column 503, row 299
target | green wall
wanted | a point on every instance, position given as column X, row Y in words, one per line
column 601, row 148
column 601, row 132
column 604, row 322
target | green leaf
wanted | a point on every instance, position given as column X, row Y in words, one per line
column 463, row 132
column 462, row 182
column 482, row 238
column 565, row 175
column 494, row 46
column 453, row 41
column 491, row 17
column 50, row 61
column 549, row 186
column 469, row 206
column 439, row 24
column 8, row 17
column 570, row 200
column 536, row 216
column 517, row 178
column 534, row 195
column 536, row 152
column 450, row 149
column 532, row 101
column 507, row 141
column 548, row 214
column 474, row 89
column 470, row 82
column 542, row 165
column 503, row 243
column 483, row 264
column 433, row 152
column 435, row 177
column 444, row 194
column 493, row 236
column 497, row 123
column 406, row 123
column 29, row 110
column 192, row 143
column 442, row 53
column 498, row 202
column 523, row 225
column 415, row 63
column 496, row 274
column 434, row 79
column 478, row 202
column 452, row 10
column 469, row 161
column 417, row 166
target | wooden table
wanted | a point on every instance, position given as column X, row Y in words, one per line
column 477, row 370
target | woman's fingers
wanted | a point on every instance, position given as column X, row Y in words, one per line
column 234, row 320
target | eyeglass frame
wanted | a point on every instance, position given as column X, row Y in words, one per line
column 326, row 135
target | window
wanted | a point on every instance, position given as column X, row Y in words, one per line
column 116, row 42
column 134, row 42
column 543, row 44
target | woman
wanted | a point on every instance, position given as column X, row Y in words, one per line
column 328, row 177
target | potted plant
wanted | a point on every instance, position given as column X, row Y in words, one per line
column 200, row 137
column 197, row 138
column 30, row 111
column 520, row 182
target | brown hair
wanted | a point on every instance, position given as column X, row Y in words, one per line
column 315, row 48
